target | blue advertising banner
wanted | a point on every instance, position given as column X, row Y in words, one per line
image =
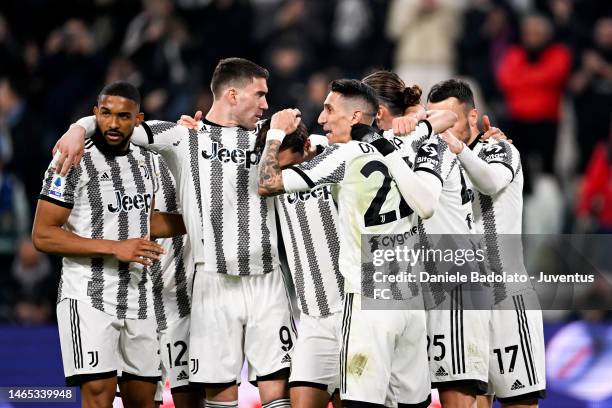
column 578, row 357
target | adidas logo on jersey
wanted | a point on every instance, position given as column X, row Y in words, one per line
column 105, row 177
column 286, row 359
column 239, row 156
column 182, row 376
column 517, row 386
column 127, row 203
column 441, row 372
column 323, row 192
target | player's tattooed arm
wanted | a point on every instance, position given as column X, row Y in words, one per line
column 270, row 174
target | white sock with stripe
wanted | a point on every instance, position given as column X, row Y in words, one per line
column 221, row 404
column 278, row 403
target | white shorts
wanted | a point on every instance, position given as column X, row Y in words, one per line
column 233, row 317
column 174, row 347
column 316, row 357
column 96, row 345
column 516, row 361
column 383, row 358
column 458, row 345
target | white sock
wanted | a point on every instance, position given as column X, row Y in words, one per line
column 220, row 404
column 278, row 403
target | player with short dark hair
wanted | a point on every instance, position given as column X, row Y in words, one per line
column 517, row 376
column 429, row 156
column 121, row 88
column 239, row 300
column 99, row 218
column 235, row 72
column 357, row 171
column 353, row 89
column 452, row 88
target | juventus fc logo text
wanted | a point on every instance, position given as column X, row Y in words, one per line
column 93, row 355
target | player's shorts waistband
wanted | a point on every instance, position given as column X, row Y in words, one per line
column 201, row 268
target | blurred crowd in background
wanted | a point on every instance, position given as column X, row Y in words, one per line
column 541, row 69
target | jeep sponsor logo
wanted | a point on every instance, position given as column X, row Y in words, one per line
column 127, row 202
column 322, row 192
column 247, row 158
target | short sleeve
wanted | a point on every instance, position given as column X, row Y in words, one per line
column 159, row 135
column 434, row 156
column 502, row 152
column 409, row 144
column 61, row 190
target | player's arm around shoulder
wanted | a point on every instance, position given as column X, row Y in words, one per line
column 503, row 160
column 419, row 193
column 488, row 176
column 424, row 123
column 159, row 136
column 69, row 149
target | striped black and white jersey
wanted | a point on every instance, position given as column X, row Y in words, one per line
column 172, row 276
column 309, row 225
column 498, row 217
column 367, row 197
column 427, row 152
column 501, row 213
column 111, row 197
column 231, row 228
column 409, row 144
column 453, row 214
